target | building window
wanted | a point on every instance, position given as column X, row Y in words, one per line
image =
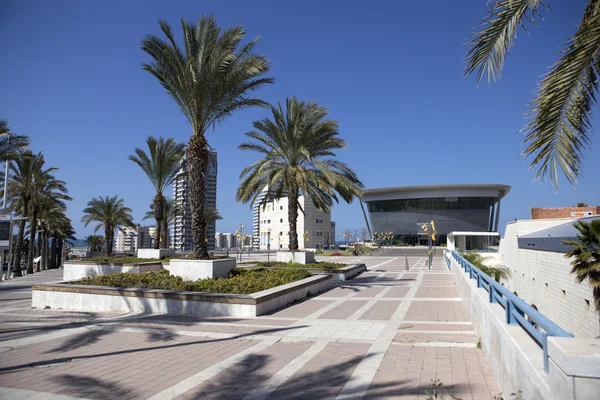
column 546, row 289
column 281, row 207
column 280, row 233
column 281, row 220
column 564, row 296
column 587, row 305
column 268, row 221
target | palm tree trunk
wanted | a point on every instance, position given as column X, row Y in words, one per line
column 52, row 263
column 59, row 250
column 165, row 233
column 293, row 217
column 40, row 249
column 197, row 158
column 159, row 210
column 108, row 239
column 18, row 254
column 33, row 227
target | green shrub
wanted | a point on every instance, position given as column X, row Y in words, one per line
column 121, row 260
column 319, row 265
column 239, row 282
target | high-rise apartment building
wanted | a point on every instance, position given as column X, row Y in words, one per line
column 182, row 228
column 132, row 239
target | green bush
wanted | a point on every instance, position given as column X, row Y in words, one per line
column 319, row 265
column 239, row 281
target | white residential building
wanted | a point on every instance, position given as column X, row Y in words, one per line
column 131, row 239
column 219, row 240
column 313, row 226
column 182, row 228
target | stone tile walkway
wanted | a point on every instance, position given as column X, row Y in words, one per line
column 390, row 333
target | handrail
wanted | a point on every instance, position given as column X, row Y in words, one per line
column 515, row 308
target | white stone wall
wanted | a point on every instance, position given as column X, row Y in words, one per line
column 543, row 278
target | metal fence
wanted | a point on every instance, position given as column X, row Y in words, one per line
column 537, row 326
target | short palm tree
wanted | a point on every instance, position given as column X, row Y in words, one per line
column 209, row 78
column 20, row 190
column 498, row 272
column 110, row 213
column 586, row 256
column 211, row 215
column 95, row 242
column 298, row 146
column 561, row 125
column 160, row 165
column 171, row 210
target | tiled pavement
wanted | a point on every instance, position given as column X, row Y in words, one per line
column 387, row 334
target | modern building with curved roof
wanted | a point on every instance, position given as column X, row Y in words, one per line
column 462, row 207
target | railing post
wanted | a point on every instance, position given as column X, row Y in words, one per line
column 478, row 280
column 510, row 319
column 492, row 292
column 545, row 348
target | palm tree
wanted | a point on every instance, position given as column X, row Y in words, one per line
column 160, row 165
column 46, row 192
column 11, row 144
column 561, row 125
column 297, row 145
column 110, row 213
column 497, row 272
column 209, row 79
column 211, row 215
column 60, row 228
column 581, row 205
column 171, row 210
column 20, row 189
column 586, row 256
column 95, row 242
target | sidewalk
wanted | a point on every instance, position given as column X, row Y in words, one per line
column 387, row 334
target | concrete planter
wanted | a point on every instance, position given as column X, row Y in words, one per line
column 73, row 270
column 155, row 253
column 192, row 270
column 99, row 298
column 340, row 274
column 300, row 257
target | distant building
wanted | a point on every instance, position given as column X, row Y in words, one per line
column 219, row 240
column 313, row 225
column 132, row 239
column 257, row 208
column 230, row 240
column 564, row 212
column 332, row 241
column 182, row 228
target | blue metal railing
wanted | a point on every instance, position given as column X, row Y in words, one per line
column 538, row 326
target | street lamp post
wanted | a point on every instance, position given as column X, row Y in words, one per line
column 241, row 240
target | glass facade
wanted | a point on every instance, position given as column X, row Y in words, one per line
column 404, row 217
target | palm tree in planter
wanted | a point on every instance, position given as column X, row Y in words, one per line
column 298, row 146
column 161, row 166
column 586, row 256
column 209, row 78
column 23, row 173
column 110, row 213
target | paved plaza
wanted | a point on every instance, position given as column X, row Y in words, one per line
column 389, row 333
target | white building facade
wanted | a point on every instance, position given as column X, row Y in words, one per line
column 182, row 228
column 544, row 278
column 313, row 225
column 132, row 239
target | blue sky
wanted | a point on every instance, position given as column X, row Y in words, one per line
column 389, row 72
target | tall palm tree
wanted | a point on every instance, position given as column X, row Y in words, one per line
column 47, row 191
column 110, row 213
column 560, row 129
column 20, row 189
column 209, row 78
column 171, row 210
column 160, row 165
column 298, row 147
column 586, row 256
column 59, row 228
column 52, row 221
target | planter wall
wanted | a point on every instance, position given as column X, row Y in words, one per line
column 192, row 270
column 340, row 274
column 73, row 270
column 300, row 257
column 155, row 253
column 99, row 298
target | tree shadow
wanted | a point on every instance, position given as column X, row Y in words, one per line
column 89, row 387
column 81, row 340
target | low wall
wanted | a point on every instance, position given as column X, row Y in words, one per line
column 300, row 257
column 192, row 270
column 155, row 253
column 74, row 270
column 518, row 362
column 339, row 274
column 100, row 298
